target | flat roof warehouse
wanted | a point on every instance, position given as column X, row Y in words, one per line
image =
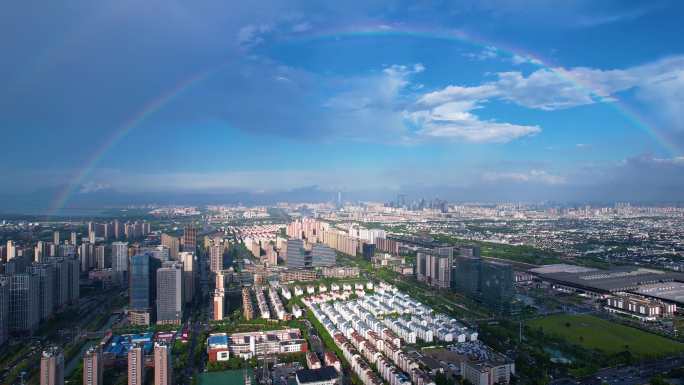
column 630, row 279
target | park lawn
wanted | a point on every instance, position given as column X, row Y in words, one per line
column 608, row 337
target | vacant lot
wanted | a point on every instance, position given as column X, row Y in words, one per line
column 608, row 337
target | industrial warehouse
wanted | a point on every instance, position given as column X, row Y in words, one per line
column 643, row 293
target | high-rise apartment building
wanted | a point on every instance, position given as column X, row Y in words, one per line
column 163, row 371
column 39, row 252
column 93, row 369
column 60, row 294
column 434, row 266
column 47, row 278
column 136, row 366
column 170, row 294
column 52, row 366
column 341, row 242
column 86, row 253
column 172, row 243
column 74, row 281
column 216, row 258
column 219, row 299
column 189, row 239
column 116, row 229
column 100, row 262
column 120, row 256
column 11, row 250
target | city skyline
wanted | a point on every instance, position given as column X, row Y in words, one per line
column 496, row 100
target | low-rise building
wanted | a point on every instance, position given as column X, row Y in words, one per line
column 326, row 375
column 255, row 344
column 487, row 372
column 639, row 307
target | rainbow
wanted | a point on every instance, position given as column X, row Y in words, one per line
column 149, row 109
column 374, row 31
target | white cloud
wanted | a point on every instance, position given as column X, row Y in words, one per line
column 454, row 120
column 531, row 176
column 524, row 59
column 455, row 93
column 251, row 35
column 488, row 52
column 92, row 187
column 658, row 85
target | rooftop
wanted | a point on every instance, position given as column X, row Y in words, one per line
column 616, row 279
column 669, row 291
column 326, row 373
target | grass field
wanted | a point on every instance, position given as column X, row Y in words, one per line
column 607, row 337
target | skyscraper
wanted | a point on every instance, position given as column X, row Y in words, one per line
column 322, row 255
column 93, row 369
column 136, row 366
column 120, row 256
column 296, row 254
column 52, row 367
column 163, row 371
column 143, row 285
column 189, row 271
column 170, row 294
column 24, row 304
column 496, row 285
column 73, row 238
column 466, row 274
column 4, row 310
column 55, row 237
column 189, row 239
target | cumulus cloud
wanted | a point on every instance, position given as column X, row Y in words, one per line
column 658, row 85
column 558, row 88
column 454, row 120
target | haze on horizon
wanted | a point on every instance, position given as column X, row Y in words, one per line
column 128, row 101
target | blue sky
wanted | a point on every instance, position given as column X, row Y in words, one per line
column 490, row 99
